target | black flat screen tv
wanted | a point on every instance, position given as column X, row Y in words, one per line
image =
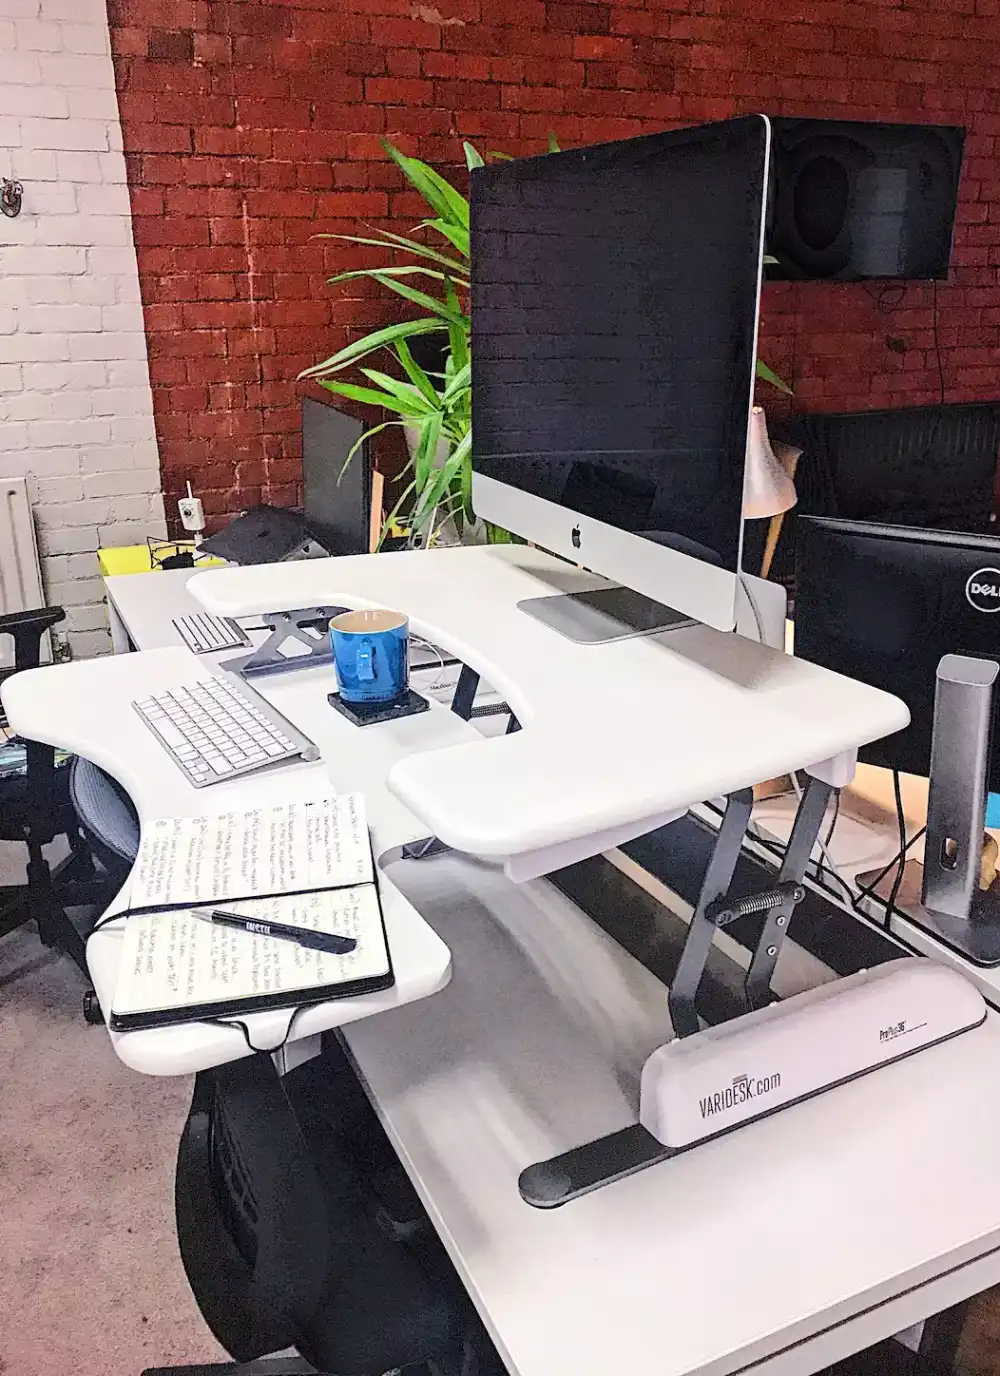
column 851, row 201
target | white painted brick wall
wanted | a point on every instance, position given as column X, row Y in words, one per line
column 76, row 412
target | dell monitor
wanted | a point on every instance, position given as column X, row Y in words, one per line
column 884, row 604
column 615, row 292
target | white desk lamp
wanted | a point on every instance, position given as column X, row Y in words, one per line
column 767, row 488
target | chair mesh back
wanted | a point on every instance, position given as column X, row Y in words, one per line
column 251, row 1215
column 233, row 1190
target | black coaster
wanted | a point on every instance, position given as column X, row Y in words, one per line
column 408, row 704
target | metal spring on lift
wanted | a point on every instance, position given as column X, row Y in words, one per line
column 725, row 910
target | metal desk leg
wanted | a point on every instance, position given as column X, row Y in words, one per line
column 120, row 640
column 719, row 875
column 551, row 1183
column 587, row 1167
column 805, row 831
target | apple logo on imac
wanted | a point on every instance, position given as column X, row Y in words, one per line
column 575, row 537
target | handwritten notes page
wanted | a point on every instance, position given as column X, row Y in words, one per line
column 176, row 961
column 305, row 863
column 309, row 844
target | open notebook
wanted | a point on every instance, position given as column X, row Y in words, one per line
column 304, row 863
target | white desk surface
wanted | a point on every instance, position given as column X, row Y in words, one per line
column 783, row 1247
column 615, row 737
column 789, row 1244
column 148, row 602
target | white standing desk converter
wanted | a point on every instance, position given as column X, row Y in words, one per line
column 781, row 1248
column 617, row 739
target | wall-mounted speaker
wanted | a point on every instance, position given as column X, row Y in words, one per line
column 851, row 201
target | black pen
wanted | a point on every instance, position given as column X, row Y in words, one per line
column 329, row 942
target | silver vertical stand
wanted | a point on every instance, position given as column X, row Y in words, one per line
column 953, row 907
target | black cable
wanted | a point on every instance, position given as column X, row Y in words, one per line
column 882, row 295
column 901, row 867
column 778, row 851
column 868, row 890
column 942, row 389
column 820, row 868
column 836, row 814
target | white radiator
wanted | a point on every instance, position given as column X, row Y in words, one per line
column 20, row 571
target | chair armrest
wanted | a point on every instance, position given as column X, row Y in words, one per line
column 27, row 629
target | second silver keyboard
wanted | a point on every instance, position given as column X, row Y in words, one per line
column 214, row 730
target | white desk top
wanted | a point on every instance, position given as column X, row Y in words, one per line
column 742, row 1248
column 85, row 707
column 148, row 602
column 615, row 737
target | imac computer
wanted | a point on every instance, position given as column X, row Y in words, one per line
column 917, row 613
column 615, row 293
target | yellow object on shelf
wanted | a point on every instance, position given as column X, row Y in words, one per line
column 138, row 559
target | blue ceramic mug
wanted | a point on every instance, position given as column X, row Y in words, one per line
column 371, row 654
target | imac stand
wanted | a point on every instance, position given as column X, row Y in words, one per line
column 603, row 615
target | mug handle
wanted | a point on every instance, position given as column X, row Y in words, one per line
column 366, row 661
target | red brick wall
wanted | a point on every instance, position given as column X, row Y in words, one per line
column 251, row 125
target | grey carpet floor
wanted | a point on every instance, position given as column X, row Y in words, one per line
column 90, row 1277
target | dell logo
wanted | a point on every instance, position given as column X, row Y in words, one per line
column 982, row 591
column 575, row 537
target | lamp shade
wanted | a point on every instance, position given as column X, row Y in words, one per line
column 767, row 488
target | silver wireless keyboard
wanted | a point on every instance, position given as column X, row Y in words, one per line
column 214, row 730
column 203, row 633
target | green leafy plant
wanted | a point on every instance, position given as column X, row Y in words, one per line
column 435, row 407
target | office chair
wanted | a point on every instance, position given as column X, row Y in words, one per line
column 35, row 808
column 106, row 817
column 37, row 804
column 284, row 1202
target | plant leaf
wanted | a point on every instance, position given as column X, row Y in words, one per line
column 473, row 158
column 440, row 195
column 415, row 373
column 394, row 512
column 369, row 434
column 501, row 157
column 460, row 382
column 378, row 339
column 423, row 459
column 402, row 391
column 769, row 375
column 394, row 242
column 408, row 271
column 446, row 486
column 372, row 398
column 465, row 481
column 464, row 448
column 432, row 494
column 553, row 143
column 455, row 234
column 458, row 328
column 452, row 311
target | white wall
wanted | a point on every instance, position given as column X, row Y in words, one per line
column 76, row 411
